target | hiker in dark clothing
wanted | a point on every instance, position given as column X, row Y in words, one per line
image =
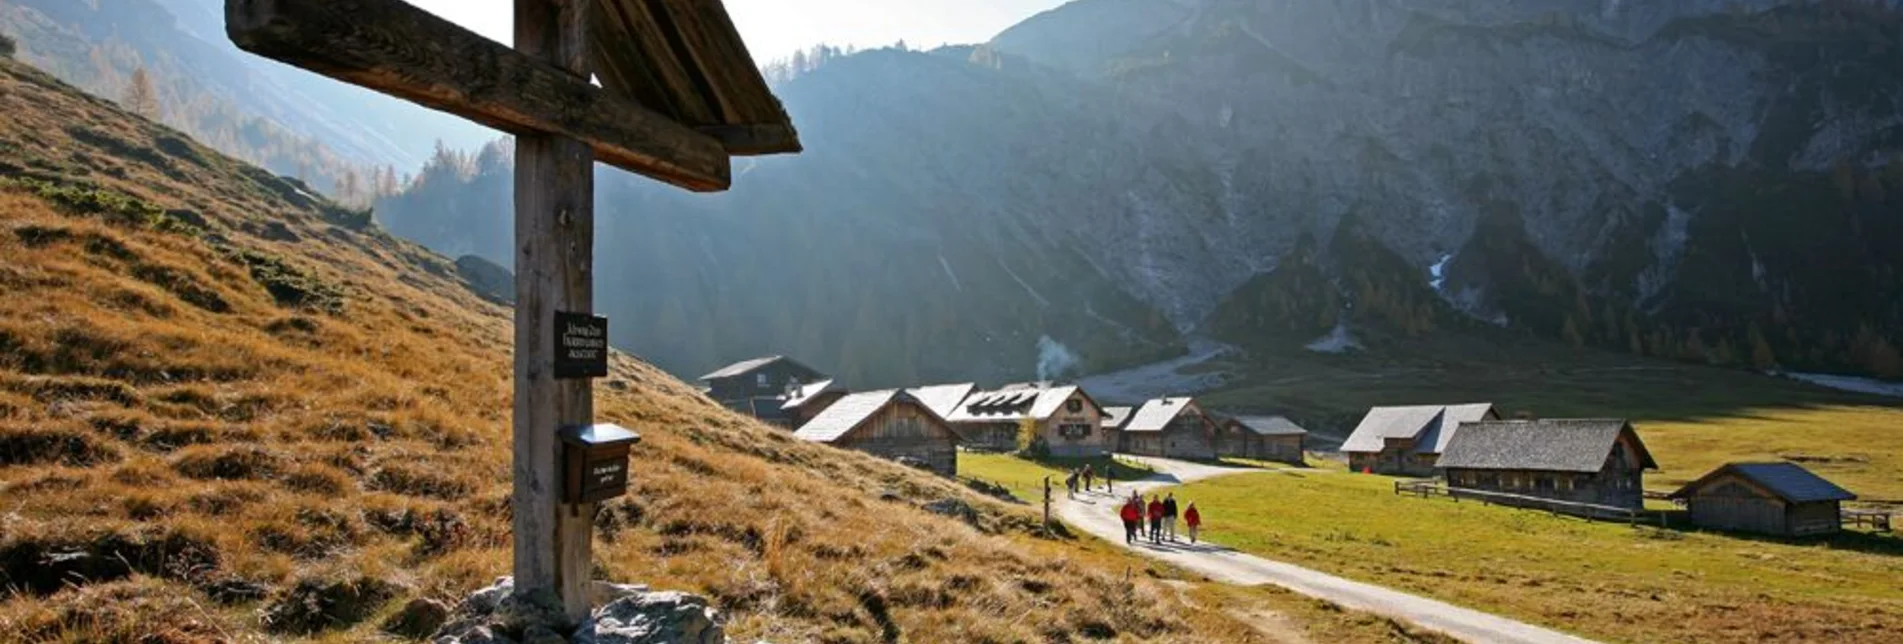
column 1132, row 518
column 1156, row 520
column 1169, row 516
column 1090, row 478
column 1070, row 483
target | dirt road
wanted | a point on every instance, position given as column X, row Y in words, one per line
column 1095, row 513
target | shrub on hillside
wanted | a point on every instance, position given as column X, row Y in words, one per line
column 6, row 46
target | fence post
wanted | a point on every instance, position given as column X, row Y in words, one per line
column 1047, row 504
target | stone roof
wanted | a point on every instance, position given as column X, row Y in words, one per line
column 1788, row 481
column 852, row 410
column 1431, row 426
column 1551, row 445
column 1156, row 414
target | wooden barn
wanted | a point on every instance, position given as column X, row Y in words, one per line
column 1262, row 438
column 1408, row 441
column 1596, row 461
column 769, row 377
column 889, row 424
column 1782, row 499
column 1067, row 421
column 1113, row 420
column 1171, row 428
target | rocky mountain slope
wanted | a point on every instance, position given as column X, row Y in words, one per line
column 1663, row 177
column 232, row 411
column 1716, row 182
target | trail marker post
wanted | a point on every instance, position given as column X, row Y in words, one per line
column 663, row 88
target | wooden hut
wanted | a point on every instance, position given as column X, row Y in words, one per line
column 1782, row 499
column 1262, row 438
column 1408, row 441
column 768, row 377
column 1597, row 461
column 1172, row 428
column 1066, row 420
column 890, row 424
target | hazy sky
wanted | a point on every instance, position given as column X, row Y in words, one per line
column 774, row 28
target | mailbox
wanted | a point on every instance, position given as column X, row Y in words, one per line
column 595, row 462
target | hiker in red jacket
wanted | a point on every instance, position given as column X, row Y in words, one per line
column 1156, row 519
column 1132, row 517
column 1194, row 519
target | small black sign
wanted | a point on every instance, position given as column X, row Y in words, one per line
column 605, row 479
column 581, row 345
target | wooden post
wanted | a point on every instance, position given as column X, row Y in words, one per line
column 554, row 244
column 1047, row 504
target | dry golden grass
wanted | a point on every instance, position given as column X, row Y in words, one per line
column 219, row 399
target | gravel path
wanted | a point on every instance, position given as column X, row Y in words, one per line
column 1095, row 512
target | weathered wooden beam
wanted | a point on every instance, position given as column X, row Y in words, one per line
column 753, row 140
column 397, row 49
column 554, row 258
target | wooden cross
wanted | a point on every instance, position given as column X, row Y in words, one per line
column 677, row 95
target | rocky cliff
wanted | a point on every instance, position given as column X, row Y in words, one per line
column 1710, row 181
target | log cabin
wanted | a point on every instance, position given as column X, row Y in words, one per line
column 1261, row 438
column 1595, row 461
column 1407, row 441
column 1171, row 428
column 1067, row 422
column 1780, row 499
column 889, row 424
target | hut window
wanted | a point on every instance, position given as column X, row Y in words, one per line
column 760, row 379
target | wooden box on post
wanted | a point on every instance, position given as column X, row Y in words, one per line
column 595, row 462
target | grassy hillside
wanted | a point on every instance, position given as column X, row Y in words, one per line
column 1602, row 580
column 230, row 411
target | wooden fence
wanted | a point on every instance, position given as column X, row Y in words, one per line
column 1425, row 488
column 1878, row 520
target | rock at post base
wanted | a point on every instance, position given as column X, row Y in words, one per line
column 418, row 619
column 666, row 617
column 628, row 614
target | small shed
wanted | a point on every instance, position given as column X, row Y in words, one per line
column 1782, row 499
column 1262, row 438
column 1171, row 428
column 890, row 424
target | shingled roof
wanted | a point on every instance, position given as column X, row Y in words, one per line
column 942, row 399
column 852, row 410
column 1431, row 426
column 1552, row 445
column 1014, row 403
column 1269, row 425
column 1789, row 481
column 1156, row 414
column 1115, row 417
column 804, row 393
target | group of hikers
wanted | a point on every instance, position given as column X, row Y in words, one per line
column 1162, row 515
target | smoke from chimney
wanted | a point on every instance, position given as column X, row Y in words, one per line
column 1053, row 358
